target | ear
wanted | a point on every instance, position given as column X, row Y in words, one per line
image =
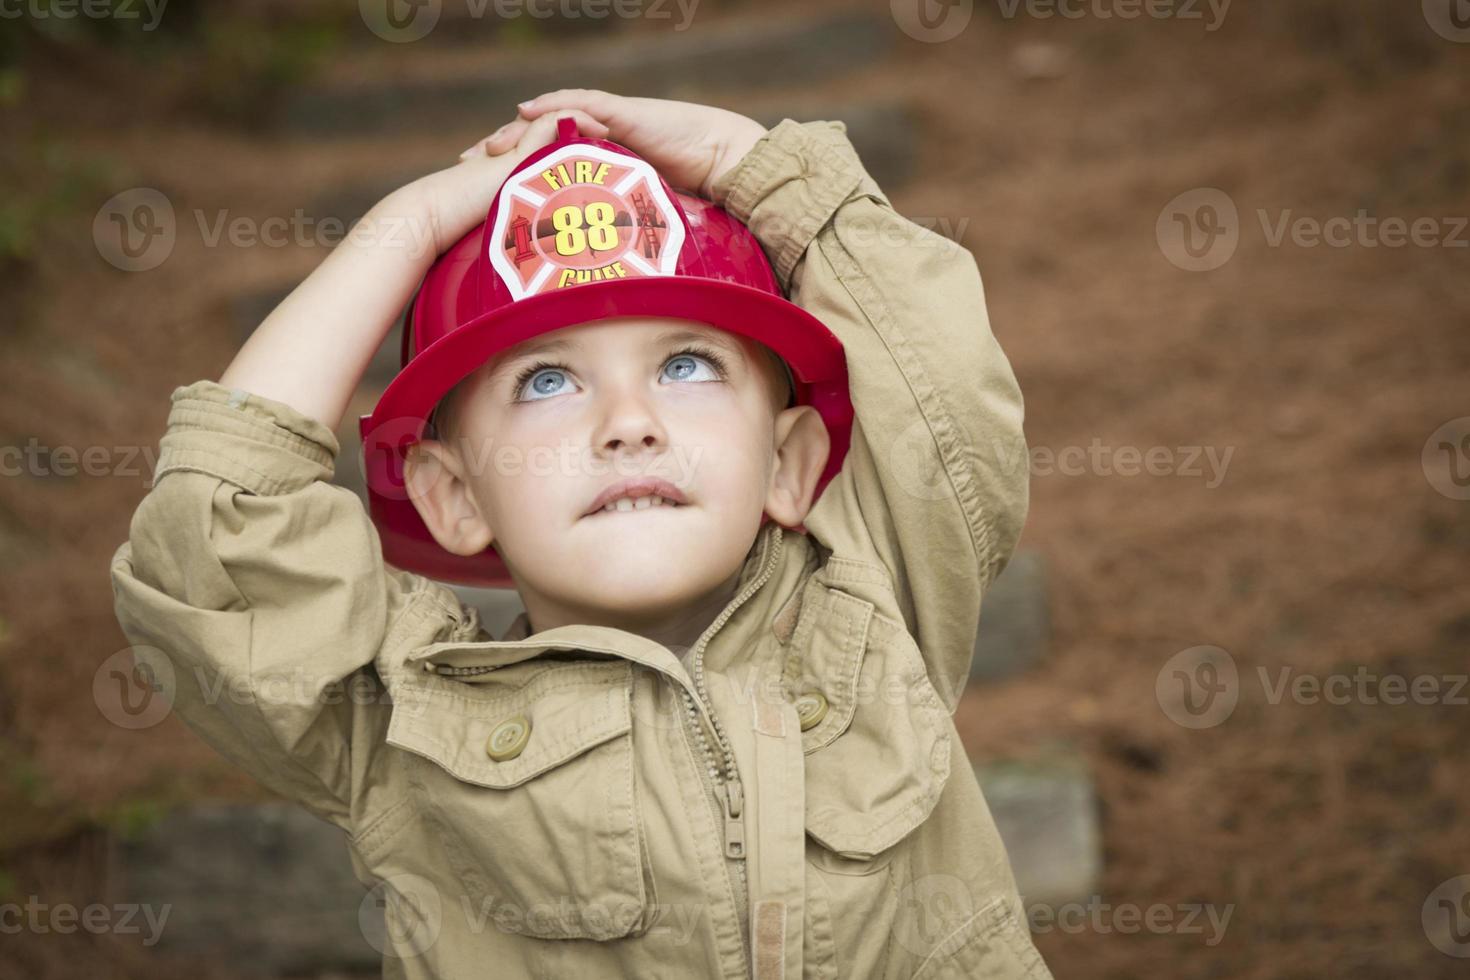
column 435, row 479
column 801, row 448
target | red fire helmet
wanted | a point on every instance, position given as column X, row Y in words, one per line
column 582, row 230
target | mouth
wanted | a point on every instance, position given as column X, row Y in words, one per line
column 642, row 494
column 633, row 505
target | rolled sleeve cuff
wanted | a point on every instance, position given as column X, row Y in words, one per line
column 788, row 186
column 256, row 443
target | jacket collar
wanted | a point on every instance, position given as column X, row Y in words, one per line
column 519, row 644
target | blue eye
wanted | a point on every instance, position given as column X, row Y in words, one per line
column 685, row 366
column 543, row 380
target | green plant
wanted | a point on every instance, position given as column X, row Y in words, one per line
column 132, row 818
column 48, row 183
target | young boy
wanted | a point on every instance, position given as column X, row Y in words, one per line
column 718, row 742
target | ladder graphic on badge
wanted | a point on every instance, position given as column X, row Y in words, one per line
column 648, row 225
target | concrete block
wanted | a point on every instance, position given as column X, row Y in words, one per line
column 267, row 888
column 1015, row 622
column 1046, row 811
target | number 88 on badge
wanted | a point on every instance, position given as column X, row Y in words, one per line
column 583, row 214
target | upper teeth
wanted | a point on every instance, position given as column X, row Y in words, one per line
column 638, row 503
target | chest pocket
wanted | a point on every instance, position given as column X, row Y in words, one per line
column 877, row 742
column 526, row 773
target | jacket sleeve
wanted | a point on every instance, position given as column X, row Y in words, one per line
column 263, row 588
column 934, row 486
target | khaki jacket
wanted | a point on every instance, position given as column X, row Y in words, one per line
column 547, row 805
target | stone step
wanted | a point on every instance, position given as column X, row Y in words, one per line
column 1046, row 810
column 269, row 888
column 741, row 55
column 1015, row 621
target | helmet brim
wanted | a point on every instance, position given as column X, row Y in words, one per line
column 813, row 353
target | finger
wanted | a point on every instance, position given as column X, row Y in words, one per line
column 506, row 136
column 513, row 132
column 599, row 104
column 626, row 117
column 542, row 130
column 478, row 146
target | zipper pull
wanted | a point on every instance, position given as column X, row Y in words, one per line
column 734, row 800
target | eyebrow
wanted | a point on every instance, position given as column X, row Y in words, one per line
column 663, row 338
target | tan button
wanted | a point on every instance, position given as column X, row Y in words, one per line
column 811, row 708
column 509, row 737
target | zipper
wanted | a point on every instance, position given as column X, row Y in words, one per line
column 714, row 792
column 449, row 671
column 728, row 793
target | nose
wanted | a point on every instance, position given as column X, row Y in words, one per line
column 628, row 421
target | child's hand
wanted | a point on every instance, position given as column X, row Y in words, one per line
column 457, row 198
column 310, row 352
column 691, row 145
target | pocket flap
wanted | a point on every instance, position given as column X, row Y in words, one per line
column 832, row 635
column 570, row 707
column 879, row 757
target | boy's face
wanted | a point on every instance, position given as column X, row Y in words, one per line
column 534, row 437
